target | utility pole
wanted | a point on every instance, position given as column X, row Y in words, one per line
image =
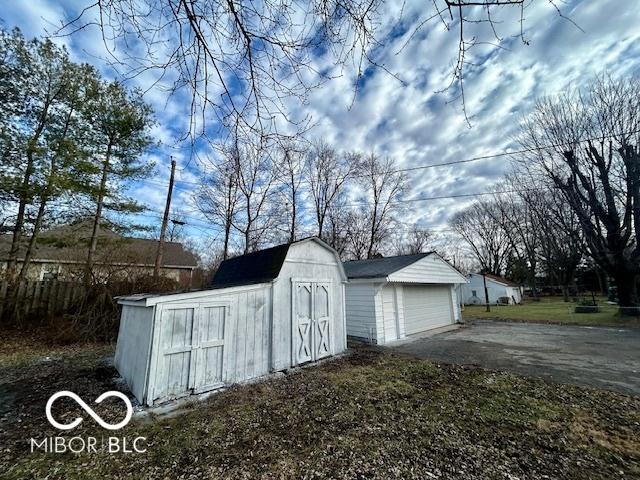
column 165, row 221
column 486, row 292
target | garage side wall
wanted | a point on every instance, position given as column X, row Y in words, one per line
column 132, row 350
column 361, row 311
column 305, row 261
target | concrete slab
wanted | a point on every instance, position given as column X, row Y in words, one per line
column 603, row 357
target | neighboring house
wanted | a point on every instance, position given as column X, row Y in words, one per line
column 61, row 253
column 390, row 298
column 501, row 290
column 267, row 311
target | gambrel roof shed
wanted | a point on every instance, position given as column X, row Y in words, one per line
column 266, row 311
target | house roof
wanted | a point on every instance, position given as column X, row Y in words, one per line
column 257, row 267
column 380, row 267
column 499, row 279
column 69, row 243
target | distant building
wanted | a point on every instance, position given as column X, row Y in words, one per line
column 500, row 289
column 61, row 253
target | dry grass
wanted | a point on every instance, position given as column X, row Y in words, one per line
column 368, row 415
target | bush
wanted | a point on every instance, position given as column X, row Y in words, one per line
column 96, row 316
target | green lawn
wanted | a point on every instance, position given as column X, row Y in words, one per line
column 551, row 310
column 366, row 415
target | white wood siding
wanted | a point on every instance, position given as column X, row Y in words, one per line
column 245, row 350
column 389, row 313
column 455, row 300
column 361, row 312
column 133, row 347
column 430, row 269
column 426, row 307
column 312, row 262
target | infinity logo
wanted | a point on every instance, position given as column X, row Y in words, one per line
column 89, row 410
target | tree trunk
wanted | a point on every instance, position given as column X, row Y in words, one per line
column 93, row 244
column 292, row 234
column 44, row 198
column 12, row 258
column 28, row 254
column 627, row 291
column 227, row 234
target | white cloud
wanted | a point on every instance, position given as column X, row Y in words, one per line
column 412, row 123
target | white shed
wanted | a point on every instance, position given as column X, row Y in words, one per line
column 267, row 311
column 500, row 290
column 390, row 298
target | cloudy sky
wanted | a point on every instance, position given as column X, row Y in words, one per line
column 407, row 116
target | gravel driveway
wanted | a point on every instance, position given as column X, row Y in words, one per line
column 594, row 356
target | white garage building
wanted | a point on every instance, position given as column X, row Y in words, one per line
column 390, row 298
column 267, row 311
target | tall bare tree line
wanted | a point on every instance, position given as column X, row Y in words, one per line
column 259, row 194
column 577, row 191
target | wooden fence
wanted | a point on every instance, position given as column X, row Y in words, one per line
column 45, row 299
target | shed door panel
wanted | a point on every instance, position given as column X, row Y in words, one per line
column 190, row 350
column 210, row 347
column 303, row 322
column 426, row 307
column 176, row 339
column 312, row 327
column 322, row 319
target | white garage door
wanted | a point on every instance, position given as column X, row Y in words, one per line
column 426, row 307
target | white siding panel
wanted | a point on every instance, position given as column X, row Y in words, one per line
column 133, row 347
column 430, row 269
column 427, row 307
column 360, row 307
column 389, row 313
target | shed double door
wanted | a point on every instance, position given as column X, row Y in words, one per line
column 312, row 319
column 190, row 350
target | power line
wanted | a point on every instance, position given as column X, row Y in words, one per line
column 457, row 162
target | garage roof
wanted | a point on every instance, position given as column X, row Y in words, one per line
column 380, row 267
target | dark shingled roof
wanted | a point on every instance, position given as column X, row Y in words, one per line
column 257, row 267
column 69, row 243
column 380, row 267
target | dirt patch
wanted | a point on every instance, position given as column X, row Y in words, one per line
column 367, row 415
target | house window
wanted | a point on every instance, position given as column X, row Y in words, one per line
column 474, row 293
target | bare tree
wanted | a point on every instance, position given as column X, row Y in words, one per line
column 257, row 177
column 219, row 197
column 519, row 223
column 595, row 164
column 383, row 187
column 416, row 240
column 485, row 236
column 357, row 234
column 292, row 176
column 327, row 174
column 244, row 61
